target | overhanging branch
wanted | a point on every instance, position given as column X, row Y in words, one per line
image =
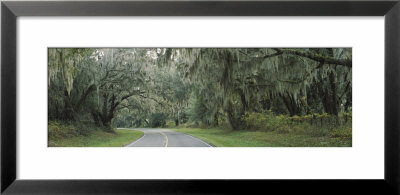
column 318, row 58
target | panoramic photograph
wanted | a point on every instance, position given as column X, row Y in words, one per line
column 199, row 97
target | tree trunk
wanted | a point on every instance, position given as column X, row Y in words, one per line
column 216, row 119
column 291, row 104
column 233, row 121
column 243, row 100
column 177, row 120
column 329, row 101
column 105, row 115
column 82, row 99
column 69, row 113
column 96, row 117
column 333, row 99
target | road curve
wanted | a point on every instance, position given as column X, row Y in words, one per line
column 166, row 138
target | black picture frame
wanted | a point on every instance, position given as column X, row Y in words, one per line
column 10, row 10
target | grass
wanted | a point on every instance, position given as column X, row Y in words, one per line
column 98, row 139
column 244, row 138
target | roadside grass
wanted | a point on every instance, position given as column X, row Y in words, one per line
column 120, row 138
column 245, row 138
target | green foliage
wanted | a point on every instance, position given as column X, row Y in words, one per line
column 158, row 120
column 344, row 132
column 241, row 78
column 58, row 130
column 67, row 62
column 62, row 130
column 244, row 138
column 170, row 124
column 267, row 121
column 120, row 138
column 280, row 90
column 314, row 125
column 191, row 124
column 198, row 111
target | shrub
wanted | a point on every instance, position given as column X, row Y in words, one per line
column 344, row 132
column 311, row 124
column 84, row 128
column 346, row 117
column 170, row 124
column 62, row 129
column 158, row 120
column 203, row 125
column 58, row 130
column 267, row 121
column 193, row 124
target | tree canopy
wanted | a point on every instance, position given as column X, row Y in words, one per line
column 149, row 86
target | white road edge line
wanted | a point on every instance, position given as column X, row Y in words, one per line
column 131, row 144
column 198, row 139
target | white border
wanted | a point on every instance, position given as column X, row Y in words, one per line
column 363, row 161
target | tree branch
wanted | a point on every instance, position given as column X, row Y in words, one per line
column 318, row 58
column 305, row 76
column 84, row 96
column 277, row 53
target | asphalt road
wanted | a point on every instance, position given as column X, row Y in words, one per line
column 166, row 138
